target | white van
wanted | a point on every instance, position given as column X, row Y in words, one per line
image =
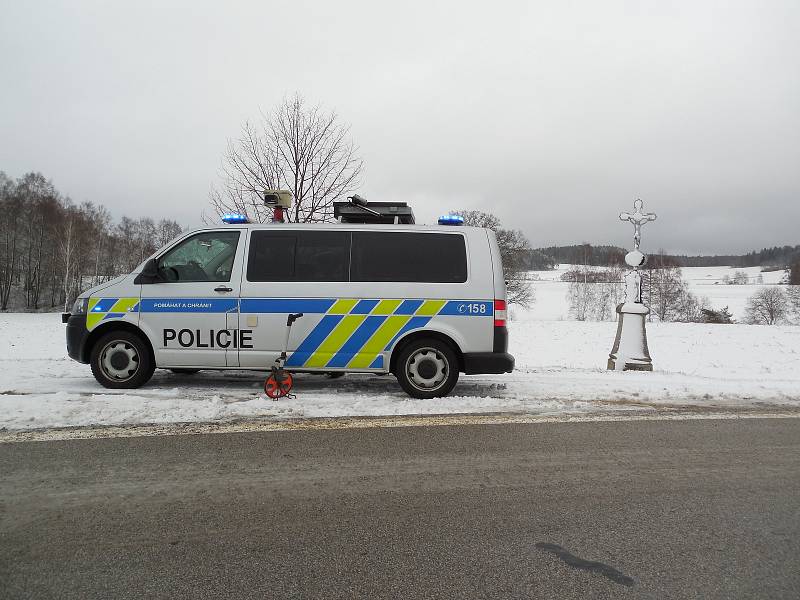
column 421, row 302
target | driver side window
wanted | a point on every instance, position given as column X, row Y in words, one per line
column 206, row 256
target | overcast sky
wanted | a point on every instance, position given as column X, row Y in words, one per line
column 553, row 115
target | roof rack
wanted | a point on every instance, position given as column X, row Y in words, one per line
column 359, row 210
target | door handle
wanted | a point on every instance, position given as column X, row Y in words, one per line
column 222, row 288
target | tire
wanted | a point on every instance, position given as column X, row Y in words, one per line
column 427, row 368
column 121, row 360
column 185, row 371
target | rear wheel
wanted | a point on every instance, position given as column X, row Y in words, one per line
column 427, row 368
column 121, row 360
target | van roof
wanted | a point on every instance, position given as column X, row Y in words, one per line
column 337, row 225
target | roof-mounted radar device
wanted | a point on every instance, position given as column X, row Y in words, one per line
column 279, row 201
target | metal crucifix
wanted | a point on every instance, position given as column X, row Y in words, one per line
column 638, row 218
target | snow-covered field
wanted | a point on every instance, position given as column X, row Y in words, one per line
column 551, row 292
column 560, row 370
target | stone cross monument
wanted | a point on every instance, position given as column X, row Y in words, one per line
column 630, row 350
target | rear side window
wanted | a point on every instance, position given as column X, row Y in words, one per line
column 415, row 257
column 271, row 256
column 298, row 256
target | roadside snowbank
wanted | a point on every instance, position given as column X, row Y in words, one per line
column 560, row 369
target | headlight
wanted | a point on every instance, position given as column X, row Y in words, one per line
column 80, row 306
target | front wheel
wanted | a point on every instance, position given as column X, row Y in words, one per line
column 427, row 368
column 121, row 360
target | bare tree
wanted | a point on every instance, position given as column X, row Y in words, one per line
column 101, row 224
column 768, row 306
column 740, row 278
column 10, row 237
column 477, row 218
column 167, row 230
column 611, row 293
column 519, row 289
column 296, row 147
column 665, row 287
column 793, row 273
column 594, row 293
column 793, row 302
column 36, row 194
column 146, row 238
column 582, row 298
column 692, row 309
column 67, row 243
column 125, row 249
column 514, row 247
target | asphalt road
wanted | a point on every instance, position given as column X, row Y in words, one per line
column 657, row 509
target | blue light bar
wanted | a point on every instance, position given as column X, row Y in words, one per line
column 234, row 219
column 451, row 220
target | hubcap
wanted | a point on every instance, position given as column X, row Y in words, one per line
column 119, row 360
column 427, row 369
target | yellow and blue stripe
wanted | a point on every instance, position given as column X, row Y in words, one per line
column 354, row 334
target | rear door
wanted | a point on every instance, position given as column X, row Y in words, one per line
column 191, row 314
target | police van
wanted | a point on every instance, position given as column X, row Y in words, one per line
column 424, row 303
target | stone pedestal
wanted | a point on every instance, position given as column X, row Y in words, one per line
column 630, row 352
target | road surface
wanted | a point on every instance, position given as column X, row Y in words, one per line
column 641, row 509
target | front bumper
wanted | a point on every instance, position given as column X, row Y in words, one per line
column 492, row 363
column 77, row 334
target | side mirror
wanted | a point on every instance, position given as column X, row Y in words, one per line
column 149, row 273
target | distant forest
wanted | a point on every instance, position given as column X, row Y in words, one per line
column 51, row 248
column 778, row 256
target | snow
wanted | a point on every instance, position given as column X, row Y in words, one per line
column 560, row 370
column 551, row 292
